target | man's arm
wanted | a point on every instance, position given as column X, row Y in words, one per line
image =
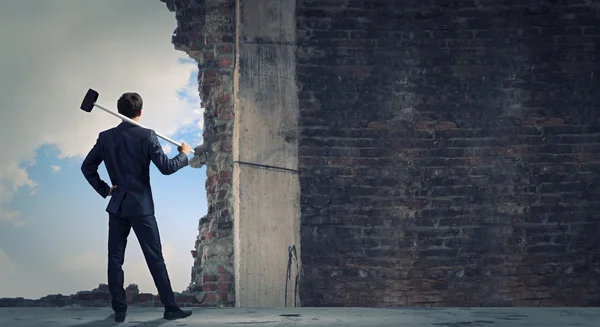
column 165, row 165
column 89, row 168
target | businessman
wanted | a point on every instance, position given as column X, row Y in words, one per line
column 127, row 151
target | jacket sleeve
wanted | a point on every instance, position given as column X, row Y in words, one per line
column 89, row 168
column 165, row 165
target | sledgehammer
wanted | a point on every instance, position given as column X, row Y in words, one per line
column 89, row 102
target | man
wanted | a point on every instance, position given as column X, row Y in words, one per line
column 127, row 151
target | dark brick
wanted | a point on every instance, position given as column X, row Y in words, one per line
column 459, row 139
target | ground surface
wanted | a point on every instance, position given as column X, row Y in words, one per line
column 488, row 317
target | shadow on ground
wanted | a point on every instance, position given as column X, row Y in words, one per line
column 110, row 321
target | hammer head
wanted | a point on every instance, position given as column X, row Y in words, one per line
column 88, row 102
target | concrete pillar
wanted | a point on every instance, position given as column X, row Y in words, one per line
column 266, row 200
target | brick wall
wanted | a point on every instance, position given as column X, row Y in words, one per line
column 206, row 31
column 449, row 152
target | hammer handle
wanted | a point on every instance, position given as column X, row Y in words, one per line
column 131, row 121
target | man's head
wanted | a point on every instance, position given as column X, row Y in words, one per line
column 130, row 105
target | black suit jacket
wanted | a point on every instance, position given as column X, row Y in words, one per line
column 127, row 151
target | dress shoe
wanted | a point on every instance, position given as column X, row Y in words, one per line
column 120, row 316
column 177, row 314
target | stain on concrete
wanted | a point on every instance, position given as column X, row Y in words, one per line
column 465, row 323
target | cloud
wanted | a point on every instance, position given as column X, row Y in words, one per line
column 7, row 268
column 7, row 215
column 55, row 168
column 49, row 60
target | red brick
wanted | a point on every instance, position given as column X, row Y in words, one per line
column 224, row 286
column 226, row 116
column 226, row 277
column 209, row 287
column 211, row 74
column 226, row 174
column 209, row 278
column 444, row 125
column 211, row 181
column 223, row 99
column 423, row 125
column 551, row 122
column 341, row 162
column 225, row 62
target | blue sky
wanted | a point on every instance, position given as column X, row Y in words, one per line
column 66, row 215
column 53, row 225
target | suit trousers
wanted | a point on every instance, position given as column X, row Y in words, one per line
column 146, row 230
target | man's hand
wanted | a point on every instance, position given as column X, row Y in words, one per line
column 185, row 148
column 111, row 189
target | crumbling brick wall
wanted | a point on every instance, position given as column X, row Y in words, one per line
column 449, row 152
column 206, row 31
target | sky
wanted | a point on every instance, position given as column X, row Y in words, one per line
column 53, row 225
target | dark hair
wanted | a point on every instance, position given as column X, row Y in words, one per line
column 130, row 105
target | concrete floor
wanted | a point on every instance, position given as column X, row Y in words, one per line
column 268, row 317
